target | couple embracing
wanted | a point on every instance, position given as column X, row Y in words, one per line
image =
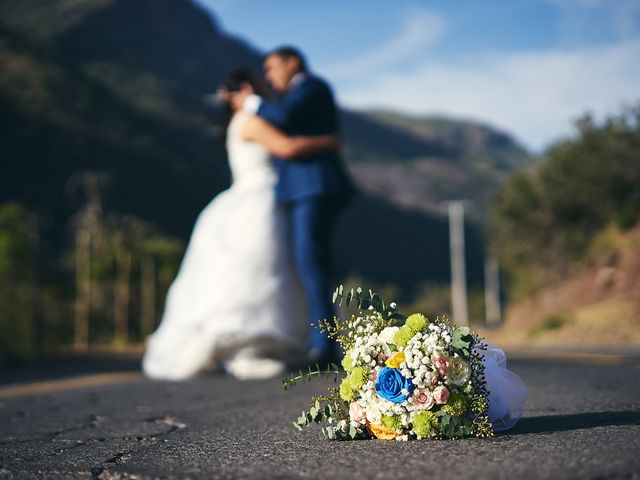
column 255, row 277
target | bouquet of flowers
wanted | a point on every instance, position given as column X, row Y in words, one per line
column 406, row 377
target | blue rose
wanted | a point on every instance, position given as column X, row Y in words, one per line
column 390, row 384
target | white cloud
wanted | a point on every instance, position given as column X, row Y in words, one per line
column 420, row 30
column 535, row 95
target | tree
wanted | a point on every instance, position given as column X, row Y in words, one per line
column 17, row 284
column 544, row 221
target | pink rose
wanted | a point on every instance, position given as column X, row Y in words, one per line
column 422, row 399
column 356, row 412
column 442, row 364
column 430, row 378
column 381, row 358
column 441, row 395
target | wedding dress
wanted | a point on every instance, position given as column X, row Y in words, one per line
column 235, row 302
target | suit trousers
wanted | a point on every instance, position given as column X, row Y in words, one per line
column 311, row 223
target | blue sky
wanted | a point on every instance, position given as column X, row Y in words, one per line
column 525, row 66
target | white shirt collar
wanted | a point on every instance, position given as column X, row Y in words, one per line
column 296, row 80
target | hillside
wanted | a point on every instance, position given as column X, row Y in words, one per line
column 597, row 306
column 115, row 87
column 567, row 236
column 421, row 162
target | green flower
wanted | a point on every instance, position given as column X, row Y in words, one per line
column 391, row 422
column 403, row 335
column 416, row 322
column 358, row 377
column 347, row 362
column 347, row 393
column 425, row 424
column 456, row 405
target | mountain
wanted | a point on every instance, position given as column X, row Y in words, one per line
column 88, row 93
column 421, row 162
column 116, row 87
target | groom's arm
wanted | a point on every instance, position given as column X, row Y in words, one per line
column 284, row 113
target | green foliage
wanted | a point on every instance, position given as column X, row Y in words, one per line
column 456, row 405
column 553, row 322
column 311, row 374
column 452, row 426
column 363, row 301
column 318, row 412
column 462, row 340
column 546, row 219
column 478, row 405
column 325, row 410
column 481, row 427
column 363, row 304
column 342, row 431
column 37, row 291
column 17, row 284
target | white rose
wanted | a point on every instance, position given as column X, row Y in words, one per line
column 386, row 335
column 372, row 413
column 459, row 371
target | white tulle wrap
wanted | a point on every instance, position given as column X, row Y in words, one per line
column 507, row 392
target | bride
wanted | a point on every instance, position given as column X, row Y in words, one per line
column 235, row 302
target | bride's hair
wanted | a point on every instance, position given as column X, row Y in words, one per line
column 234, row 81
column 242, row 75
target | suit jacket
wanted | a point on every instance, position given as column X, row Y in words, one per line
column 308, row 109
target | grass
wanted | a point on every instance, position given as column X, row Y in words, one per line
column 550, row 323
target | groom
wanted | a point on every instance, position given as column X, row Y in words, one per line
column 313, row 189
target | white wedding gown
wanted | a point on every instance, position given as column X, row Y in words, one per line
column 235, row 302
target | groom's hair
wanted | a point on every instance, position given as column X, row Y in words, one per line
column 287, row 51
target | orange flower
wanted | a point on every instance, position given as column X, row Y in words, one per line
column 381, row 432
column 395, row 360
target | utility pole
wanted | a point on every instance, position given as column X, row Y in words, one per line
column 492, row 292
column 459, row 308
column 83, row 282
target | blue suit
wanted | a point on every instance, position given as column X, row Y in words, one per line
column 313, row 190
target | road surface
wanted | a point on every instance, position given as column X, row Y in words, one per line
column 582, row 421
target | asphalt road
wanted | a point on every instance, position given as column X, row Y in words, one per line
column 582, row 421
